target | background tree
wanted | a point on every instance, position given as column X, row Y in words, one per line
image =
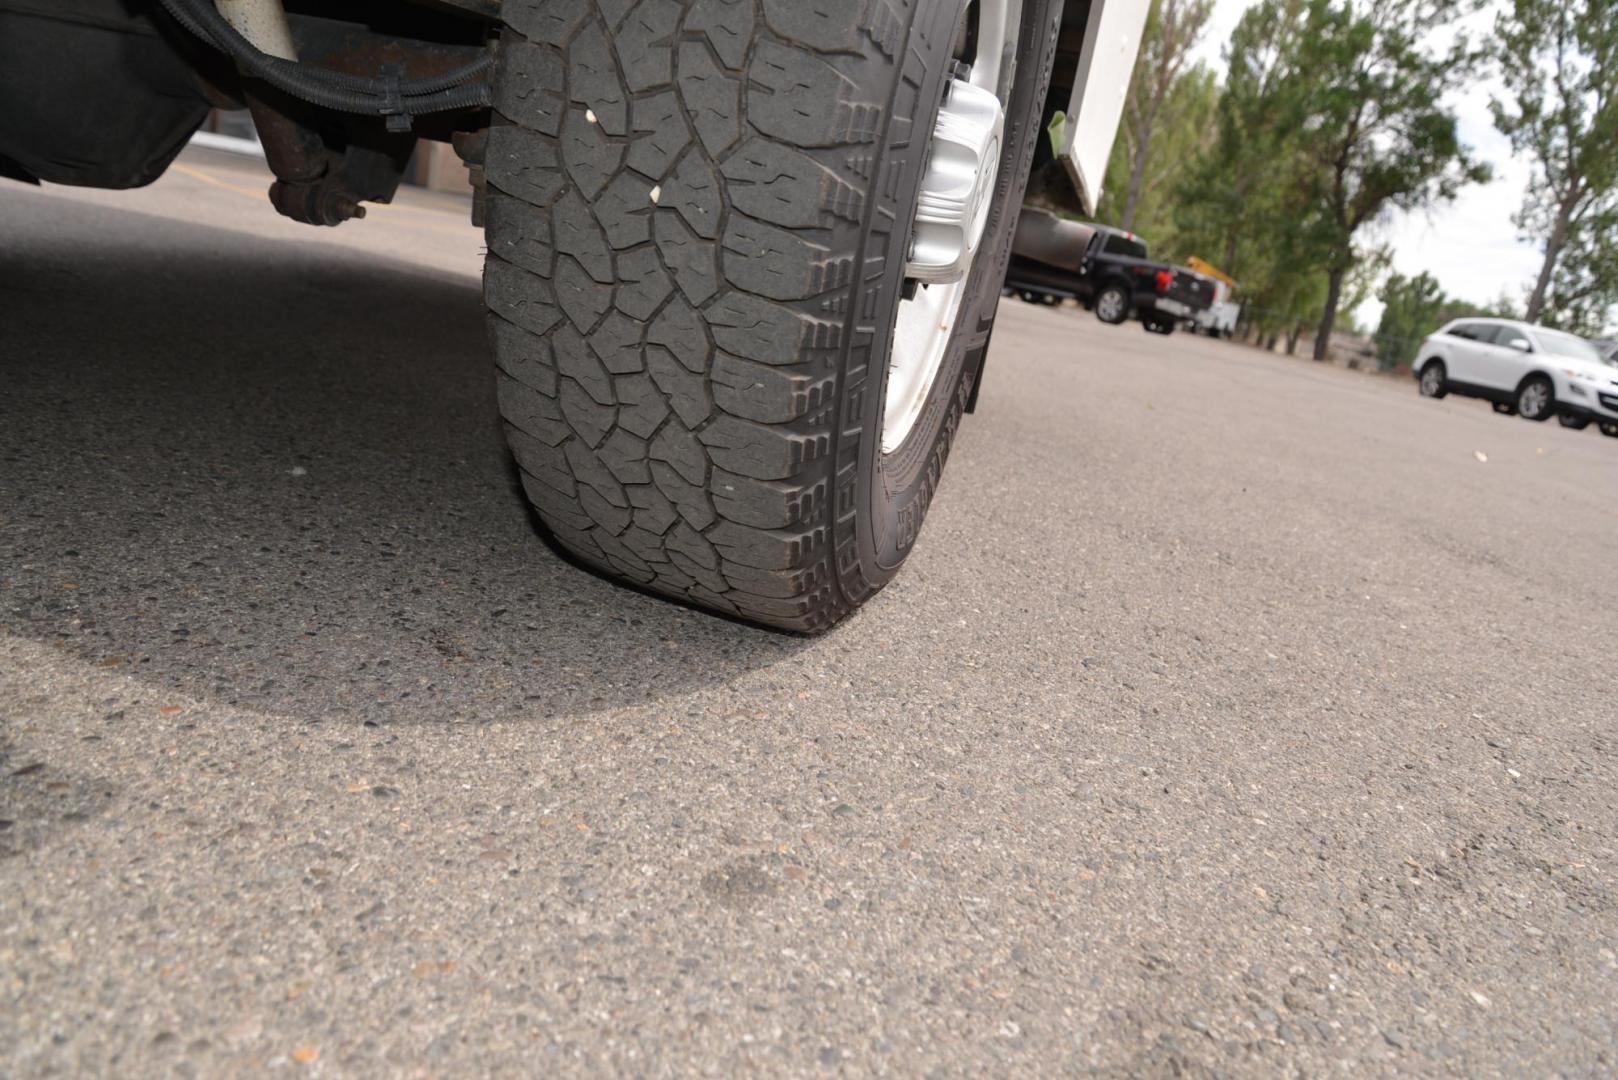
column 1232, row 193
column 1372, row 119
column 1410, row 312
column 1184, row 127
column 1415, row 307
column 1560, row 65
column 1173, row 28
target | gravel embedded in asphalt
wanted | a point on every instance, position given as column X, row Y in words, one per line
column 1232, row 715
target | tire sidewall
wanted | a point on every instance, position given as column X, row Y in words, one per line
column 892, row 492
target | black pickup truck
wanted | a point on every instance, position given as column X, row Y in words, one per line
column 1106, row 270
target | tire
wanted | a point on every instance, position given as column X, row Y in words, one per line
column 1573, row 421
column 1159, row 326
column 692, row 292
column 1112, row 305
column 1432, row 381
column 1536, row 399
column 1609, row 429
column 1504, row 408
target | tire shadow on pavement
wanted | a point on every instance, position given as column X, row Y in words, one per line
column 272, row 474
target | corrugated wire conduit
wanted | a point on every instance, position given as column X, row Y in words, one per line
column 386, row 95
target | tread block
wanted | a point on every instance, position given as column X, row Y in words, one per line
column 590, row 157
column 749, row 449
column 661, row 133
column 642, row 283
column 521, row 233
column 690, row 499
column 774, row 584
column 709, row 580
column 772, row 262
column 753, row 327
column 803, row 100
column 624, row 210
column 680, row 450
column 582, row 298
column 615, row 519
column 529, row 89
column 592, row 81
column 621, row 558
column 653, row 511
column 524, row 164
column 693, row 261
column 545, row 20
column 578, row 361
column 686, row 392
column 577, row 234
column 589, row 470
column 728, row 26
column 765, row 393
column 643, row 48
column 712, row 98
column 786, row 187
column 625, row 456
column 693, row 193
column 549, row 501
column 764, row 504
column 680, row 329
column 686, row 540
column 518, row 295
column 641, row 407
column 826, row 25
column 762, row 549
column 588, row 418
column 617, row 344
column 523, row 356
column 538, row 416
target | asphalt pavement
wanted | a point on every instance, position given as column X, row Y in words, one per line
column 1234, row 715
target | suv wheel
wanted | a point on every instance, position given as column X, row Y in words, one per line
column 1433, row 383
column 743, row 264
column 1609, row 429
column 1536, row 399
column 1574, row 421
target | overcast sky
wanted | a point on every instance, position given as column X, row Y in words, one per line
column 1470, row 245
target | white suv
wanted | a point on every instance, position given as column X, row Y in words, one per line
column 1530, row 370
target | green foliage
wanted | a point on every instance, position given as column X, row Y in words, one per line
column 1372, row 126
column 1415, row 307
column 1563, row 112
column 1332, row 117
column 1247, row 202
column 1165, row 116
column 1184, row 128
column 1410, row 312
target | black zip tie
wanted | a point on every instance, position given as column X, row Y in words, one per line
column 392, row 101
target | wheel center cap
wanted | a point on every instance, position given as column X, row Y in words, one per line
column 956, row 188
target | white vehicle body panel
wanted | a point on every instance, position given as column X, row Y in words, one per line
column 1111, row 42
column 1500, row 369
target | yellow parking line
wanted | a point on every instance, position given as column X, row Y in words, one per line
column 198, row 174
column 446, row 219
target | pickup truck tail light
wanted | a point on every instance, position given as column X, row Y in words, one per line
column 1165, row 281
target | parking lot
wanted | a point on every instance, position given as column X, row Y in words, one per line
column 1235, row 714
